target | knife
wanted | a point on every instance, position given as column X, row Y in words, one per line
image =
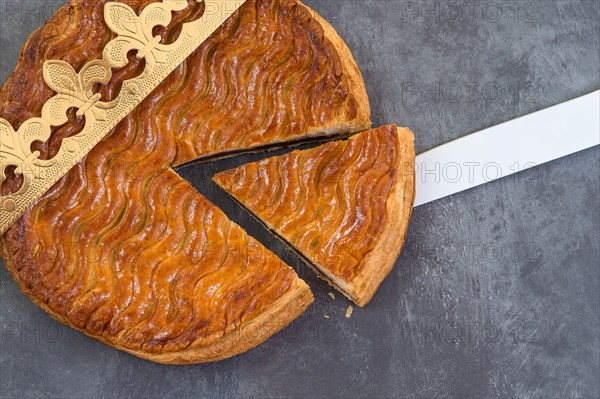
column 508, row 148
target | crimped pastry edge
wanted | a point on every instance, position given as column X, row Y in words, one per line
column 351, row 70
column 380, row 262
column 249, row 335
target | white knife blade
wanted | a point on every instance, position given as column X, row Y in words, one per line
column 508, row 148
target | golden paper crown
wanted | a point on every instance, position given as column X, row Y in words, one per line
column 76, row 90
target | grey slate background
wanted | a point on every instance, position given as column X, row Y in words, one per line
column 497, row 292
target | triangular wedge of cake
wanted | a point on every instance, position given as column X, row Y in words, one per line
column 344, row 206
column 122, row 248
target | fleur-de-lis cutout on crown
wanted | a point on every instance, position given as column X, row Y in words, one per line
column 76, row 89
column 135, row 32
column 14, row 150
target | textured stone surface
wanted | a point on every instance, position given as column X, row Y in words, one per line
column 498, row 290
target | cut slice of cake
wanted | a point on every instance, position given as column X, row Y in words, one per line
column 345, row 206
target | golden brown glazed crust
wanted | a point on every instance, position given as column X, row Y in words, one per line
column 344, row 205
column 122, row 248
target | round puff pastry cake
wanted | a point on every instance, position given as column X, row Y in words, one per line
column 122, row 248
column 344, row 206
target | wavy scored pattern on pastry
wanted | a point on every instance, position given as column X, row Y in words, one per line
column 125, row 250
column 344, row 205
